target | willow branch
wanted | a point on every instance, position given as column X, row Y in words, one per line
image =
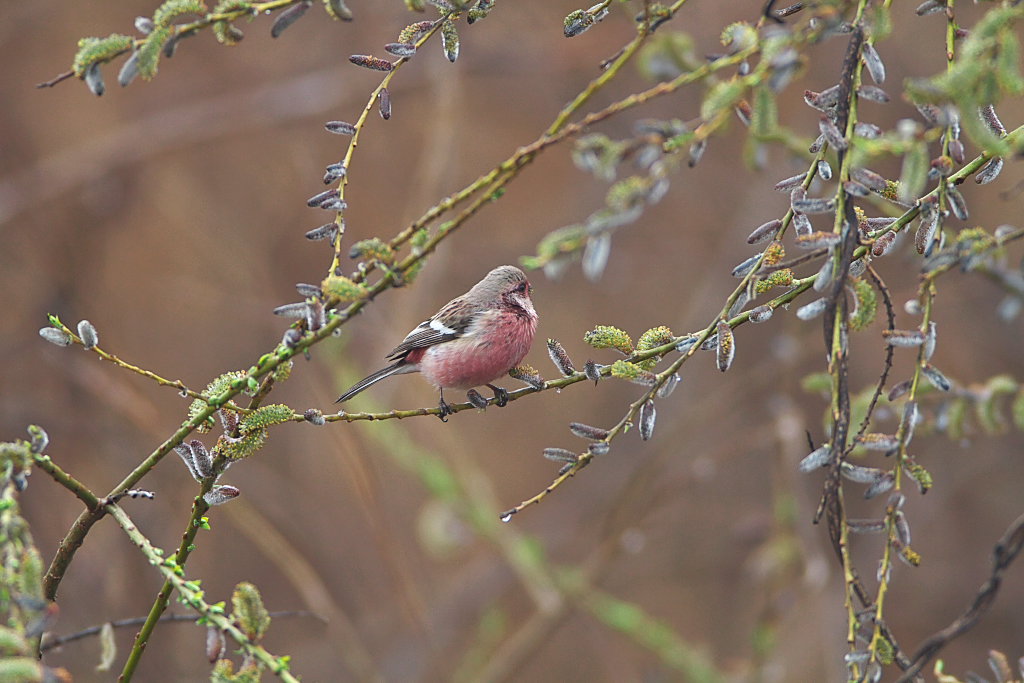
column 193, row 597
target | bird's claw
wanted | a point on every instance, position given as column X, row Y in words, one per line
column 476, row 399
column 445, row 410
column 500, row 396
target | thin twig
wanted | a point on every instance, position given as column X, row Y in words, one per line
column 800, row 286
column 52, row 642
column 255, row 9
column 889, row 350
column 195, row 522
column 193, row 597
column 1006, row 550
column 56, row 79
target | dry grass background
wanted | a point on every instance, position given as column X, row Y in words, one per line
column 171, row 215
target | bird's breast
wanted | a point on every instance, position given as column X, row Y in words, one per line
column 493, row 345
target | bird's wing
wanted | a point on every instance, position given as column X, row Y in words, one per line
column 451, row 322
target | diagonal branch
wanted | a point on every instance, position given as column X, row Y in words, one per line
column 1006, row 550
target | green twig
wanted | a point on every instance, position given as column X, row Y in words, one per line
column 524, row 155
column 81, row 491
column 195, row 522
column 193, row 597
column 585, row 458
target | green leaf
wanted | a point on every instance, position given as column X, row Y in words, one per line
column 93, row 50
column 172, row 9
column 373, row 248
column 243, row 447
column 216, row 387
column 764, row 120
column 914, row 172
column 654, row 337
column 450, row 40
column 31, row 575
column 249, row 612
column 264, row 417
column 149, row 53
column 20, row 670
column 608, row 337
column 12, row 642
column 867, row 305
column 343, row 288
column 722, row 96
column 628, row 192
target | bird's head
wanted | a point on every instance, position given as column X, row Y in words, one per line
column 507, row 286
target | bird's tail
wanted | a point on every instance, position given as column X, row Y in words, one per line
column 397, row 368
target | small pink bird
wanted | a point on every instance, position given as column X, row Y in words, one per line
column 473, row 340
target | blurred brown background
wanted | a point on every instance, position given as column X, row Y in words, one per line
column 171, row 215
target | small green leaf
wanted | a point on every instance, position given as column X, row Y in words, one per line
column 722, row 96
column 216, row 387
column 885, row 651
column 30, row 578
column 631, row 372
column 654, row 337
column 243, row 447
column 12, row 642
column 450, row 40
column 149, row 52
column 249, row 612
column 914, row 173
column 628, row 193
column 20, row 670
column 922, row 476
column 343, row 288
column 738, row 36
column 172, row 9
column 264, row 417
column 866, row 305
column 93, row 50
column 764, row 120
column 608, row 337
column 373, row 248
column 283, row 371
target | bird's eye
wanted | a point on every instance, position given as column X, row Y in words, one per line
column 521, row 288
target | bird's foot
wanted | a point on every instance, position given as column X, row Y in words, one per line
column 445, row 410
column 476, row 399
column 500, row 396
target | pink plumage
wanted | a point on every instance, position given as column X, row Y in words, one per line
column 477, row 359
column 472, row 341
